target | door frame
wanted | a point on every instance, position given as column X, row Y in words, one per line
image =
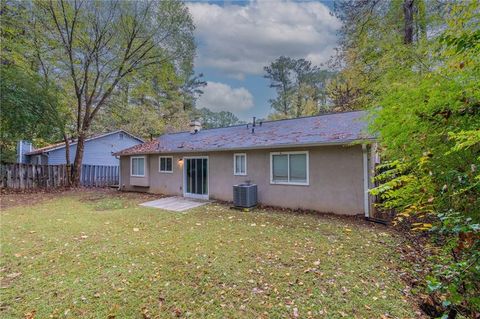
column 191, row 195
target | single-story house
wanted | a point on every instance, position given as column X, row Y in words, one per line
column 322, row 163
column 98, row 150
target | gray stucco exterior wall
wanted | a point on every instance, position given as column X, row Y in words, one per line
column 335, row 178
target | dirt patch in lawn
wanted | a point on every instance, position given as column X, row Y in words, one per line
column 28, row 197
column 10, row 199
column 99, row 194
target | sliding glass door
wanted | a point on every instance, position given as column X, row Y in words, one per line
column 196, row 177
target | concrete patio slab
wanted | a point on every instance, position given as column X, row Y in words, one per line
column 175, row 203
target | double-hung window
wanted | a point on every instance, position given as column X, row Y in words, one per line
column 239, row 164
column 137, row 166
column 289, row 168
column 165, row 164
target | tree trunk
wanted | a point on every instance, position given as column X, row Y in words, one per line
column 408, row 7
column 299, row 104
column 77, row 163
column 285, row 104
column 67, row 158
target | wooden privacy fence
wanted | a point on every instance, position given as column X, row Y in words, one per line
column 25, row 176
column 29, row 176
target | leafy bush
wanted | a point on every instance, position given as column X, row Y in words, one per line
column 457, row 268
column 429, row 124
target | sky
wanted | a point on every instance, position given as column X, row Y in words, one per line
column 236, row 39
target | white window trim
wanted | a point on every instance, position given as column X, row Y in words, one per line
column 307, row 183
column 234, row 164
column 160, row 166
column 144, row 166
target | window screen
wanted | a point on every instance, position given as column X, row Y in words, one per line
column 166, row 164
column 298, row 168
column 240, row 164
column 289, row 168
column 280, row 168
column 138, row 166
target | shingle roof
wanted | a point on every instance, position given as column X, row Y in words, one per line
column 335, row 128
column 55, row 146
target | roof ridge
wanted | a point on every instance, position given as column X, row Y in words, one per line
column 309, row 116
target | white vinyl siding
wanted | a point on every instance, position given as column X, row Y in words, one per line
column 165, row 164
column 289, row 168
column 137, row 165
column 240, row 164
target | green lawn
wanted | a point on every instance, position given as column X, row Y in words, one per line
column 99, row 255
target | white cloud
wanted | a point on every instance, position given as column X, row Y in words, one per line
column 243, row 39
column 222, row 97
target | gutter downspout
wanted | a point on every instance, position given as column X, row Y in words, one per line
column 366, row 204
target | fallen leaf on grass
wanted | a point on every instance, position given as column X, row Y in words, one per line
column 295, row 312
column 145, row 314
column 161, row 300
column 30, row 315
column 177, row 312
column 14, row 275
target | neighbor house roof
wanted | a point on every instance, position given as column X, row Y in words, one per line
column 334, row 128
column 60, row 145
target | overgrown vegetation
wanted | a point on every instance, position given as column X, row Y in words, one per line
column 31, row 106
column 416, row 65
column 94, row 255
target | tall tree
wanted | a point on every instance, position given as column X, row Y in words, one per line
column 279, row 74
column 300, row 87
column 30, row 105
column 369, row 29
column 165, row 103
column 91, row 48
column 211, row 119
